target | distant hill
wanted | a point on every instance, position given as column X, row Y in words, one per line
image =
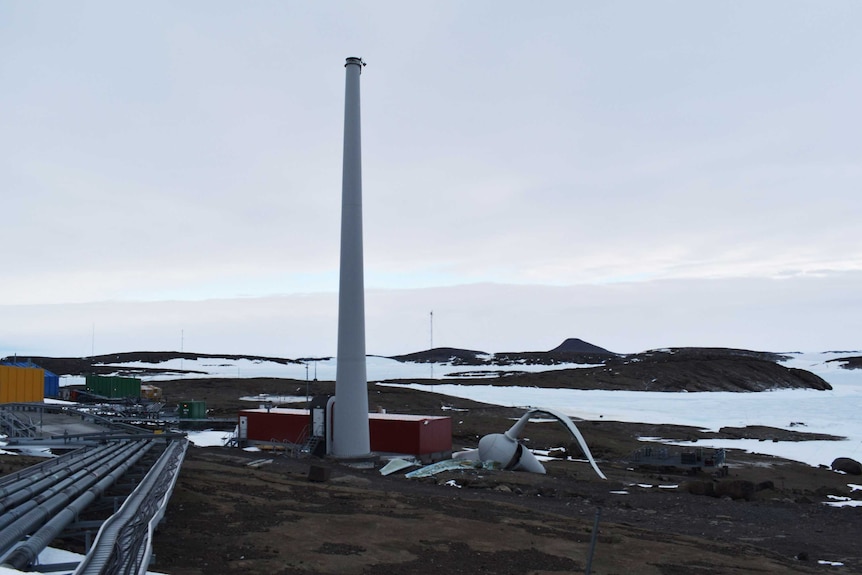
column 444, row 355
column 668, row 370
column 103, row 364
column 849, row 362
column 572, row 350
column 575, row 345
column 672, row 369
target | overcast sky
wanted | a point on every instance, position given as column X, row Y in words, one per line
column 636, row 174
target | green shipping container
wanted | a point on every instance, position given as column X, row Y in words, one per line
column 193, row 410
column 114, row 386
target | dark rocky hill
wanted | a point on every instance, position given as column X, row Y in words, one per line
column 102, row 364
column 572, row 350
column 451, row 355
column 575, row 345
column 678, row 369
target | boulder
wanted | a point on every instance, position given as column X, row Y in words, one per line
column 847, row 465
column 700, row 488
column 735, row 489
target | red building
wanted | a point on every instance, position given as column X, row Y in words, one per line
column 427, row 437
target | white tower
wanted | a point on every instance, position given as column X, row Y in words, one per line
column 350, row 436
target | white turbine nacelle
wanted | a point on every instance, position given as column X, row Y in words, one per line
column 509, row 453
column 504, row 448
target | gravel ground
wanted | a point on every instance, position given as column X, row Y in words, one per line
column 227, row 517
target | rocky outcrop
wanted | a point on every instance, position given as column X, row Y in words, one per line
column 847, row 465
column 854, row 362
column 735, row 489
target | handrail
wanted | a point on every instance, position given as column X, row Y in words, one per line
column 124, row 542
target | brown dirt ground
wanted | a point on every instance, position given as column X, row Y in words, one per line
column 226, row 517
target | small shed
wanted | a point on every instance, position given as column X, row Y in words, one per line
column 279, row 424
column 192, row 409
column 425, row 436
column 21, row 384
column 51, row 380
column 114, row 386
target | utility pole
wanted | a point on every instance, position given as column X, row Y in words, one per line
column 432, row 342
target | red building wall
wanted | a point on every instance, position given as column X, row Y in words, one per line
column 277, row 424
column 418, row 435
column 410, row 434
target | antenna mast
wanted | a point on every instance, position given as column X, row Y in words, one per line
column 432, row 330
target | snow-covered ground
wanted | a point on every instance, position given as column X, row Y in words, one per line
column 51, row 556
column 378, row 368
column 835, row 412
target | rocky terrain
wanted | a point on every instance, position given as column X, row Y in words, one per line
column 315, row 516
column 676, row 369
column 766, row 515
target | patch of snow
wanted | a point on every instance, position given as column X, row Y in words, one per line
column 275, row 399
column 849, row 503
column 67, row 380
column 28, row 450
column 52, row 401
column 209, row 438
column 52, row 556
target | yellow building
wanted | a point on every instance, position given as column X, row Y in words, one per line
column 21, row 384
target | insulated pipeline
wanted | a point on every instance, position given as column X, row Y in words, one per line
column 14, row 513
column 36, row 516
column 24, row 489
column 24, row 555
column 40, row 469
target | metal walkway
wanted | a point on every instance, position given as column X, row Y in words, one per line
column 43, row 502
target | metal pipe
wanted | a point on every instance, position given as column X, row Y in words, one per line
column 24, row 555
column 24, row 489
column 22, row 509
column 43, row 511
